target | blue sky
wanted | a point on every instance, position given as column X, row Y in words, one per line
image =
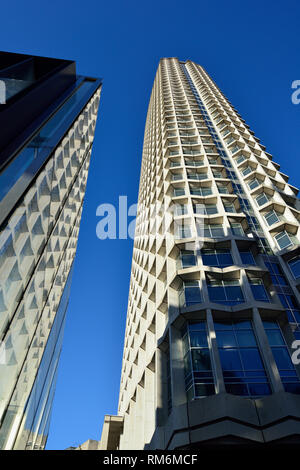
column 250, row 48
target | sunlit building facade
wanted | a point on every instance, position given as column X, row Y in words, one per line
column 214, row 304
column 49, row 116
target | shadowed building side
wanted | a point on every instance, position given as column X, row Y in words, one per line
column 50, row 116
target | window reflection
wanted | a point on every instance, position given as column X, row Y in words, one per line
column 243, row 369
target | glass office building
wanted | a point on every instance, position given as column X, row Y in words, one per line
column 214, row 303
column 47, row 116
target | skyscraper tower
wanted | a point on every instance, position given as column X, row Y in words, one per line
column 48, row 116
column 214, row 304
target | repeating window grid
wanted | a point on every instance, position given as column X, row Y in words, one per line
column 294, row 265
column 187, row 259
column 243, row 369
column 199, row 379
column 190, row 294
column 226, row 292
column 286, row 368
column 220, row 258
column 284, row 291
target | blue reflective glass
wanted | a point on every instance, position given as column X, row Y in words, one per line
column 43, row 140
column 230, row 359
column 223, row 325
column 259, row 292
column 225, row 259
column 242, row 324
column 192, row 295
column 226, row 339
column 187, row 365
column 296, row 314
column 185, row 344
column 251, row 359
column 246, row 338
column 200, row 375
column 216, row 293
column 292, row 387
column 209, row 259
column 234, row 293
column 283, row 300
column 292, row 301
column 201, row 359
column 255, row 373
column 197, row 326
column 295, row 267
column 282, row 358
column 188, row 259
column 257, row 389
column 203, row 390
column 247, row 257
column 270, row 324
column 275, row 338
column 237, row 389
column 198, row 339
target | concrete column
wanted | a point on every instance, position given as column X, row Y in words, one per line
column 246, row 287
column 177, row 370
column 139, row 418
column 266, row 352
column 160, row 387
column 149, row 417
column 216, row 363
column 236, row 257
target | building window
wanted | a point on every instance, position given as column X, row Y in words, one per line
column 294, row 265
column 261, row 199
column 183, row 231
column 202, row 191
column 223, row 188
column 241, row 158
column 217, row 174
column 271, row 218
column 191, row 294
column 176, row 176
column 258, row 290
column 227, row 292
column 253, row 184
column 235, row 149
column 199, row 381
column 196, row 176
column 247, row 257
column 247, row 170
column 237, row 229
column 205, row 209
column 277, row 276
column 210, row 230
column 181, row 209
column 243, row 369
column 292, row 308
column 284, row 292
column 217, row 258
column 188, row 259
column 229, row 207
column 284, row 239
column 179, row 192
column 282, row 357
